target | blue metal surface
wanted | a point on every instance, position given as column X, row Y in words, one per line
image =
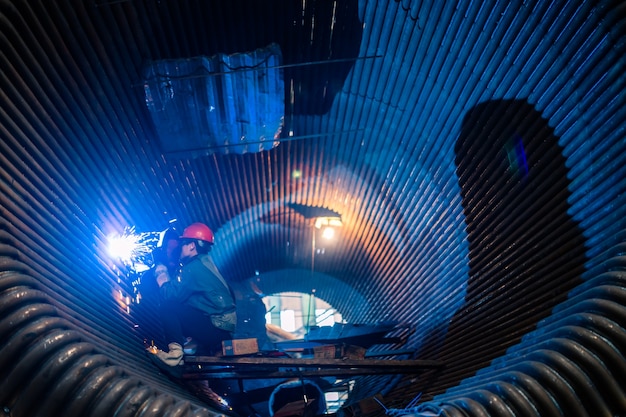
column 403, row 116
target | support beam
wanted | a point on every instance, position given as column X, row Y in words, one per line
column 252, row 367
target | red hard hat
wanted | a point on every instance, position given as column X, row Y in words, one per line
column 199, row 231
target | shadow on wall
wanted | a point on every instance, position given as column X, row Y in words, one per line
column 525, row 252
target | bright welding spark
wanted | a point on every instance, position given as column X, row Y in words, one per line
column 122, row 247
column 133, row 253
column 132, row 248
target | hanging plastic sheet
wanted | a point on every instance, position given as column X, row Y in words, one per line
column 220, row 104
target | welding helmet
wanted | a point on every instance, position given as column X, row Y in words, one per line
column 198, row 231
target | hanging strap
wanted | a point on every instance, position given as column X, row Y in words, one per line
column 208, row 262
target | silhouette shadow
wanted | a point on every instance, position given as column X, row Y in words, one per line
column 525, row 251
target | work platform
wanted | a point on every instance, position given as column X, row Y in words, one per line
column 319, row 372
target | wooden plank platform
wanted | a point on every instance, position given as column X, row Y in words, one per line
column 200, row 367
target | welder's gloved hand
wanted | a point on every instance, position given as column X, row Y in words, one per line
column 168, row 361
column 173, row 357
column 161, row 274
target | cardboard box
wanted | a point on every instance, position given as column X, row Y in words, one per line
column 327, row 352
column 338, row 352
column 240, row 347
column 353, row 352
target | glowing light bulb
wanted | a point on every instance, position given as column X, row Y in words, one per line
column 328, row 233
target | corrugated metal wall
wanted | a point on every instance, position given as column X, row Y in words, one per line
column 475, row 152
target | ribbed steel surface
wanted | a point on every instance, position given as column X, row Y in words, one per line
column 50, row 368
column 475, row 152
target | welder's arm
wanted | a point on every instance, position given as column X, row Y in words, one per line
column 173, row 289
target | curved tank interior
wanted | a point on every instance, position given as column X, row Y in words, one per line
column 474, row 153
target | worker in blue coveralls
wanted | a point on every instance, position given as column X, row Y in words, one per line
column 197, row 311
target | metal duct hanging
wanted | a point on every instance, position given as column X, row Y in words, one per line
column 220, row 104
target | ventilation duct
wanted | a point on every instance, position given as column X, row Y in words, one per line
column 219, row 104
